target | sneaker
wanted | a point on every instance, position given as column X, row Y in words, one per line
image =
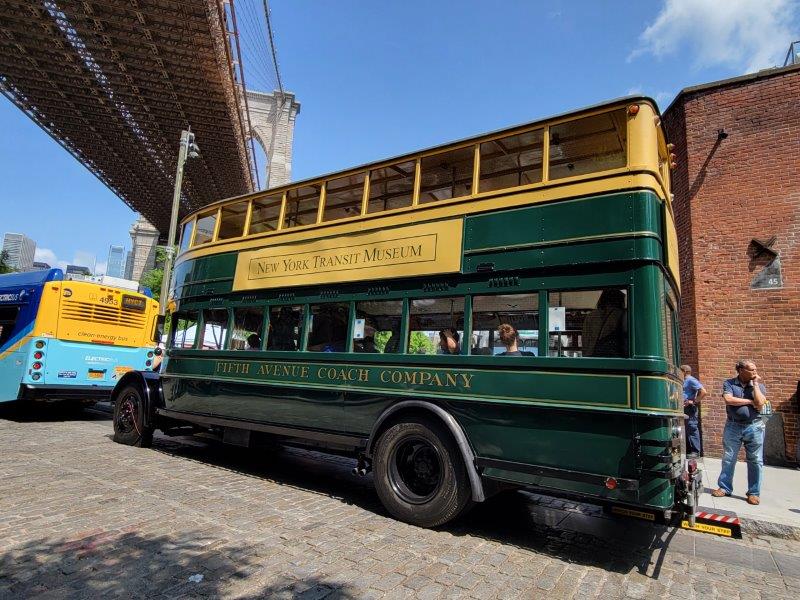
column 754, row 500
column 719, row 493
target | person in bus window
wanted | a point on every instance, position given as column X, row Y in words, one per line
column 509, row 337
column 254, row 341
column 605, row 331
column 449, row 341
column 283, row 330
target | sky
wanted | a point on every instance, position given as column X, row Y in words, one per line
column 378, row 79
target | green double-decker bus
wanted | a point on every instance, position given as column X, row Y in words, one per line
column 490, row 313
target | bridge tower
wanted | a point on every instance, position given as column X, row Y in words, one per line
column 272, row 118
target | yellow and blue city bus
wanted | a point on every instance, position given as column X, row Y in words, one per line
column 70, row 340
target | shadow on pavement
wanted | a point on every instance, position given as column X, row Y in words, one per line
column 48, row 412
column 129, row 564
column 566, row 530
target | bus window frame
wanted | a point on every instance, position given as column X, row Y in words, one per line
column 627, row 288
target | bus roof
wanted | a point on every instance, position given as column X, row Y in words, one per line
column 390, row 159
column 28, row 278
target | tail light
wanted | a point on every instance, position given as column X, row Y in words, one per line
column 38, row 355
column 37, row 366
column 611, row 483
column 691, row 464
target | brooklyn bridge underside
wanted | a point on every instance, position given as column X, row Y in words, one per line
column 115, row 82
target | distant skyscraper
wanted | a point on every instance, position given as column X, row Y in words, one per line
column 20, row 250
column 41, row 266
column 116, row 261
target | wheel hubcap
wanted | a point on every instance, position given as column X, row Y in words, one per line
column 415, row 470
column 126, row 418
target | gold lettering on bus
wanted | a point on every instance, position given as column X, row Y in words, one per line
column 421, row 249
column 229, row 367
column 426, row 378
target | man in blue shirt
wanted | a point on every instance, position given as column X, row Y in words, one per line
column 693, row 394
column 744, row 397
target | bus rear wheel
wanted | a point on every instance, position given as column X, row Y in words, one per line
column 420, row 476
column 129, row 428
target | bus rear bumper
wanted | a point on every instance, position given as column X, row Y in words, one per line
column 88, row 393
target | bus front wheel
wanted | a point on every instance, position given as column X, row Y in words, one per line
column 129, row 428
column 420, row 476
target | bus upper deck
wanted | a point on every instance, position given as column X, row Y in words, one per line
column 70, row 339
column 618, row 145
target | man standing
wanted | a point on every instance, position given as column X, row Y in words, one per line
column 693, row 394
column 744, row 396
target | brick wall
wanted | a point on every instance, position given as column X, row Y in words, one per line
column 727, row 192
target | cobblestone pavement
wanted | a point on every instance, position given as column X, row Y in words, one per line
column 81, row 516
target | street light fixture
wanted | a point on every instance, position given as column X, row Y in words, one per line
column 188, row 149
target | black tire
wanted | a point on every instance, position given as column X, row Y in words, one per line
column 129, row 426
column 420, row 476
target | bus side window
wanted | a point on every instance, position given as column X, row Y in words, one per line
column 447, row 175
column 285, row 328
column 215, row 326
column 328, row 329
column 589, row 145
column 511, row 161
column 8, row 317
column 247, row 325
column 520, row 311
column 433, row 323
column 377, row 327
column 589, row 323
column 183, row 330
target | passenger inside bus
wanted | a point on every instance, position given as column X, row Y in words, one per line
column 449, row 341
column 254, row 341
column 284, row 322
column 605, row 328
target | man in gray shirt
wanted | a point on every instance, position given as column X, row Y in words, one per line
column 744, row 397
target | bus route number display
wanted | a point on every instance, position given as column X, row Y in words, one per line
column 133, row 303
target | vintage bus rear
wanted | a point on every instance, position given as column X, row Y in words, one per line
column 71, row 340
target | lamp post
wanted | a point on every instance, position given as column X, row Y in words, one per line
column 188, row 149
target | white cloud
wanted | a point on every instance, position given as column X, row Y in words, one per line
column 80, row 257
column 45, row 255
column 635, row 91
column 740, row 34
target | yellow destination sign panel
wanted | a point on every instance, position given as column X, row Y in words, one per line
column 425, row 249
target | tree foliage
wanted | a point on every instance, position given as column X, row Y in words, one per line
column 420, row 343
column 155, row 277
column 4, row 266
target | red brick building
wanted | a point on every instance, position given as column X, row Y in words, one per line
column 737, row 186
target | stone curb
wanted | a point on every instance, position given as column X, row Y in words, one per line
column 769, row 528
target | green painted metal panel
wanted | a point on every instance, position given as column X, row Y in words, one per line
column 565, row 221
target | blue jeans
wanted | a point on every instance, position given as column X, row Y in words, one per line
column 752, row 436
